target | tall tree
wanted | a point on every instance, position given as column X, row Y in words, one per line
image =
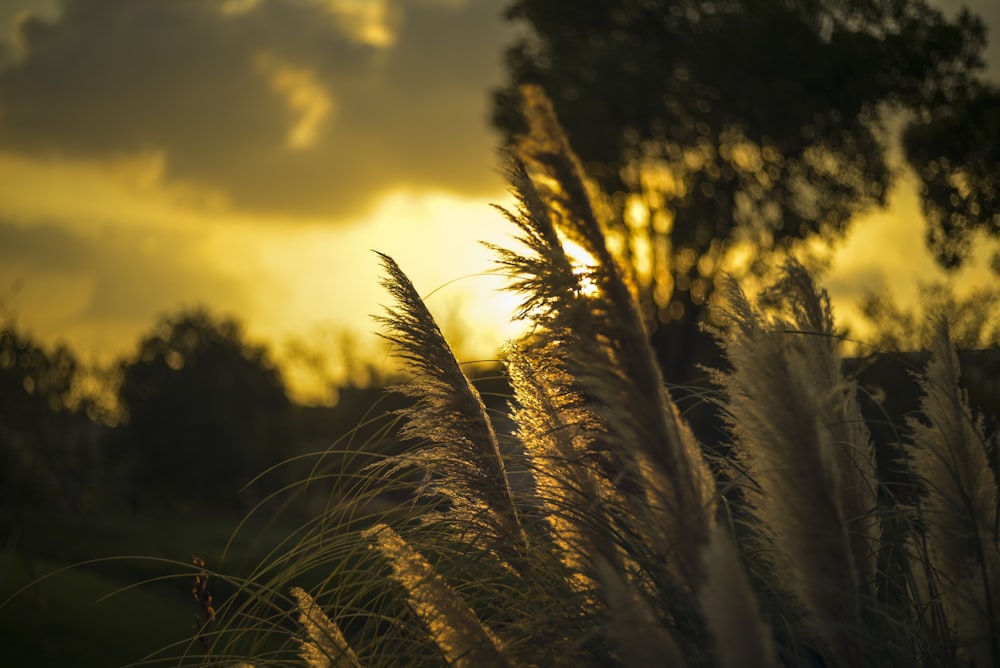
column 205, row 410
column 713, row 123
column 955, row 151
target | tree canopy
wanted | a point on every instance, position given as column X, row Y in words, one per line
column 205, row 409
column 47, row 440
column 715, row 122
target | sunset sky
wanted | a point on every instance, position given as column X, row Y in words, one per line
column 248, row 156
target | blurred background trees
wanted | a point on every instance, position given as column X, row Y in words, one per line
column 48, row 444
column 974, row 320
column 180, row 426
column 729, row 126
column 205, row 411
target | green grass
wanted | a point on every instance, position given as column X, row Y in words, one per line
column 75, row 618
column 111, row 591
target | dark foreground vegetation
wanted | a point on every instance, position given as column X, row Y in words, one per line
column 105, row 496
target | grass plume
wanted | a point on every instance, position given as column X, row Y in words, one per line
column 463, row 640
column 623, row 549
column 589, row 335
column 801, row 478
column 950, row 455
column 741, row 637
column 464, row 462
column 324, row 645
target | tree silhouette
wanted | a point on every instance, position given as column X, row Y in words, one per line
column 956, row 153
column 757, row 122
column 48, row 445
column 205, row 410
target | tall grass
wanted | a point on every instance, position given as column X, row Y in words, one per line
column 627, row 545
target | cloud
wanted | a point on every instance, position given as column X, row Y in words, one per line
column 302, row 93
column 294, row 107
column 117, row 281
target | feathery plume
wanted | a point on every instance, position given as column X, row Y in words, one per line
column 853, row 451
column 464, row 459
column 742, row 639
column 960, row 505
column 641, row 639
column 324, row 646
column 588, row 325
column 776, row 407
column 454, row 627
column 553, row 427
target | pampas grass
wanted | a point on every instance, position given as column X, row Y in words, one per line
column 628, row 546
column 463, row 640
column 324, row 645
column 740, row 635
column 950, row 456
column 462, row 461
column 805, row 482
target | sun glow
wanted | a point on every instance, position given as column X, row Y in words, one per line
column 583, row 264
column 237, row 7
column 136, row 251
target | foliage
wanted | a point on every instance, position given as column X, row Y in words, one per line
column 47, row 441
column 204, row 410
column 746, row 125
column 955, row 151
column 972, row 317
column 629, row 546
column 65, row 601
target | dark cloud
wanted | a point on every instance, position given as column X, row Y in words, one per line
column 132, row 274
column 214, row 93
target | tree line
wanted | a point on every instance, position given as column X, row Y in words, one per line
column 200, row 412
column 196, row 418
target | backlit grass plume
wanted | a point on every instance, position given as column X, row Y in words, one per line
column 463, row 461
column 589, row 337
column 950, row 455
column 463, row 640
column 741, row 637
column 807, row 475
column 324, row 645
column 617, row 546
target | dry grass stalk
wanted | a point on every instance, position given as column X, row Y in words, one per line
column 793, row 482
column 464, row 461
column 960, row 506
column 206, row 609
column 463, row 640
column 324, row 646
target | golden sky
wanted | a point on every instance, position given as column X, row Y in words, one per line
column 248, row 155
